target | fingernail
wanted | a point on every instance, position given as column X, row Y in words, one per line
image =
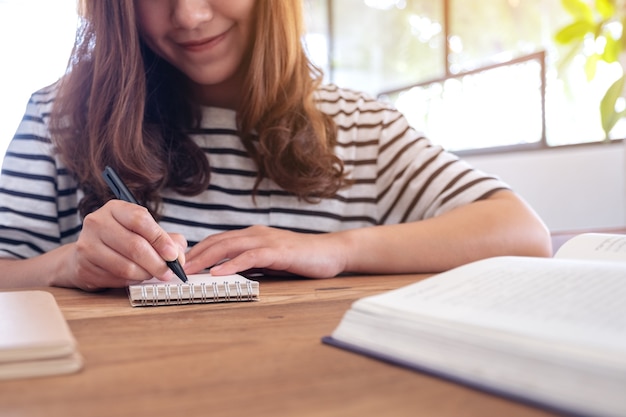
column 171, row 253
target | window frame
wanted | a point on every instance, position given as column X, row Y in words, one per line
column 540, row 56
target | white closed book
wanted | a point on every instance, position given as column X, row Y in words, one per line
column 35, row 339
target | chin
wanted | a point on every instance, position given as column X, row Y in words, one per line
column 211, row 76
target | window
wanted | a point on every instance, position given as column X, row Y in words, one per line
column 36, row 38
column 480, row 89
column 498, row 80
column 381, row 45
column 490, row 107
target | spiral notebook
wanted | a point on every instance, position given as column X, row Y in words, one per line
column 200, row 288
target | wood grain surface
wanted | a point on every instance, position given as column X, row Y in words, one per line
column 262, row 358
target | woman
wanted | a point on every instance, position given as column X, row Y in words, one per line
column 214, row 117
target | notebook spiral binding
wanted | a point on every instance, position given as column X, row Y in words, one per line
column 191, row 293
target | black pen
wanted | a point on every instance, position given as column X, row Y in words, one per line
column 123, row 193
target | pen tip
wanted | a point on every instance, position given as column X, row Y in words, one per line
column 178, row 270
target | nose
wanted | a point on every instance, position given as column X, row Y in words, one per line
column 189, row 14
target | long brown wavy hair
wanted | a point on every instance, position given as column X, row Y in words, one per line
column 121, row 105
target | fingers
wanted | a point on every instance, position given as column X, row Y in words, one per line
column 138, row 220
column 94, row 278
column 267, row 248
column 224, row 246
column 263, row 258
column 121, row 241
column 181, row 243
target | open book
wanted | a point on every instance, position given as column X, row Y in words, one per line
column 200, row 288
column 550, row 332
column 35, row 339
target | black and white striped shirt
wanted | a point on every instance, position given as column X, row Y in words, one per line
column 399, row 176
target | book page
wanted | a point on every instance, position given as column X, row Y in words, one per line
column 600, row 246
column 200, row 278
column 580, row 302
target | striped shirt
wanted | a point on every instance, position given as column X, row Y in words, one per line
column 398, row 176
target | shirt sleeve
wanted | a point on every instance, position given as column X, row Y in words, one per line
column 418, row 180
column 33, row 216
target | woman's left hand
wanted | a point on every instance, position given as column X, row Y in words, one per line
column 499, row 225
column 310, row 255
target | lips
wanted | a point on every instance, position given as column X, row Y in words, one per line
column 193, row 44
column 201, row 44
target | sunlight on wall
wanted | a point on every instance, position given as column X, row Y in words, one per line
column 36, row 38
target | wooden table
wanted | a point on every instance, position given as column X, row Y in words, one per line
column 260, row 358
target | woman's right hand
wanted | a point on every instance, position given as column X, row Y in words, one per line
column 120, row 244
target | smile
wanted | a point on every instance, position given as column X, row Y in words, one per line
column 202, row 44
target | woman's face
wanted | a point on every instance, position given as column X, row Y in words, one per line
column 204, row 39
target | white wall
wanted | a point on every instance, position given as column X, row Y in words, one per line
column 36, row 37
column 571, row 188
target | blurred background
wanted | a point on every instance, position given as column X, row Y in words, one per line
column 520, row 88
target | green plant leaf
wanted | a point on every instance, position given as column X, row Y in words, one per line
column 579, row 9
column 608, row 113
column 574, row 31
column 606, row 8
column 612, row 49
column 591, row 65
